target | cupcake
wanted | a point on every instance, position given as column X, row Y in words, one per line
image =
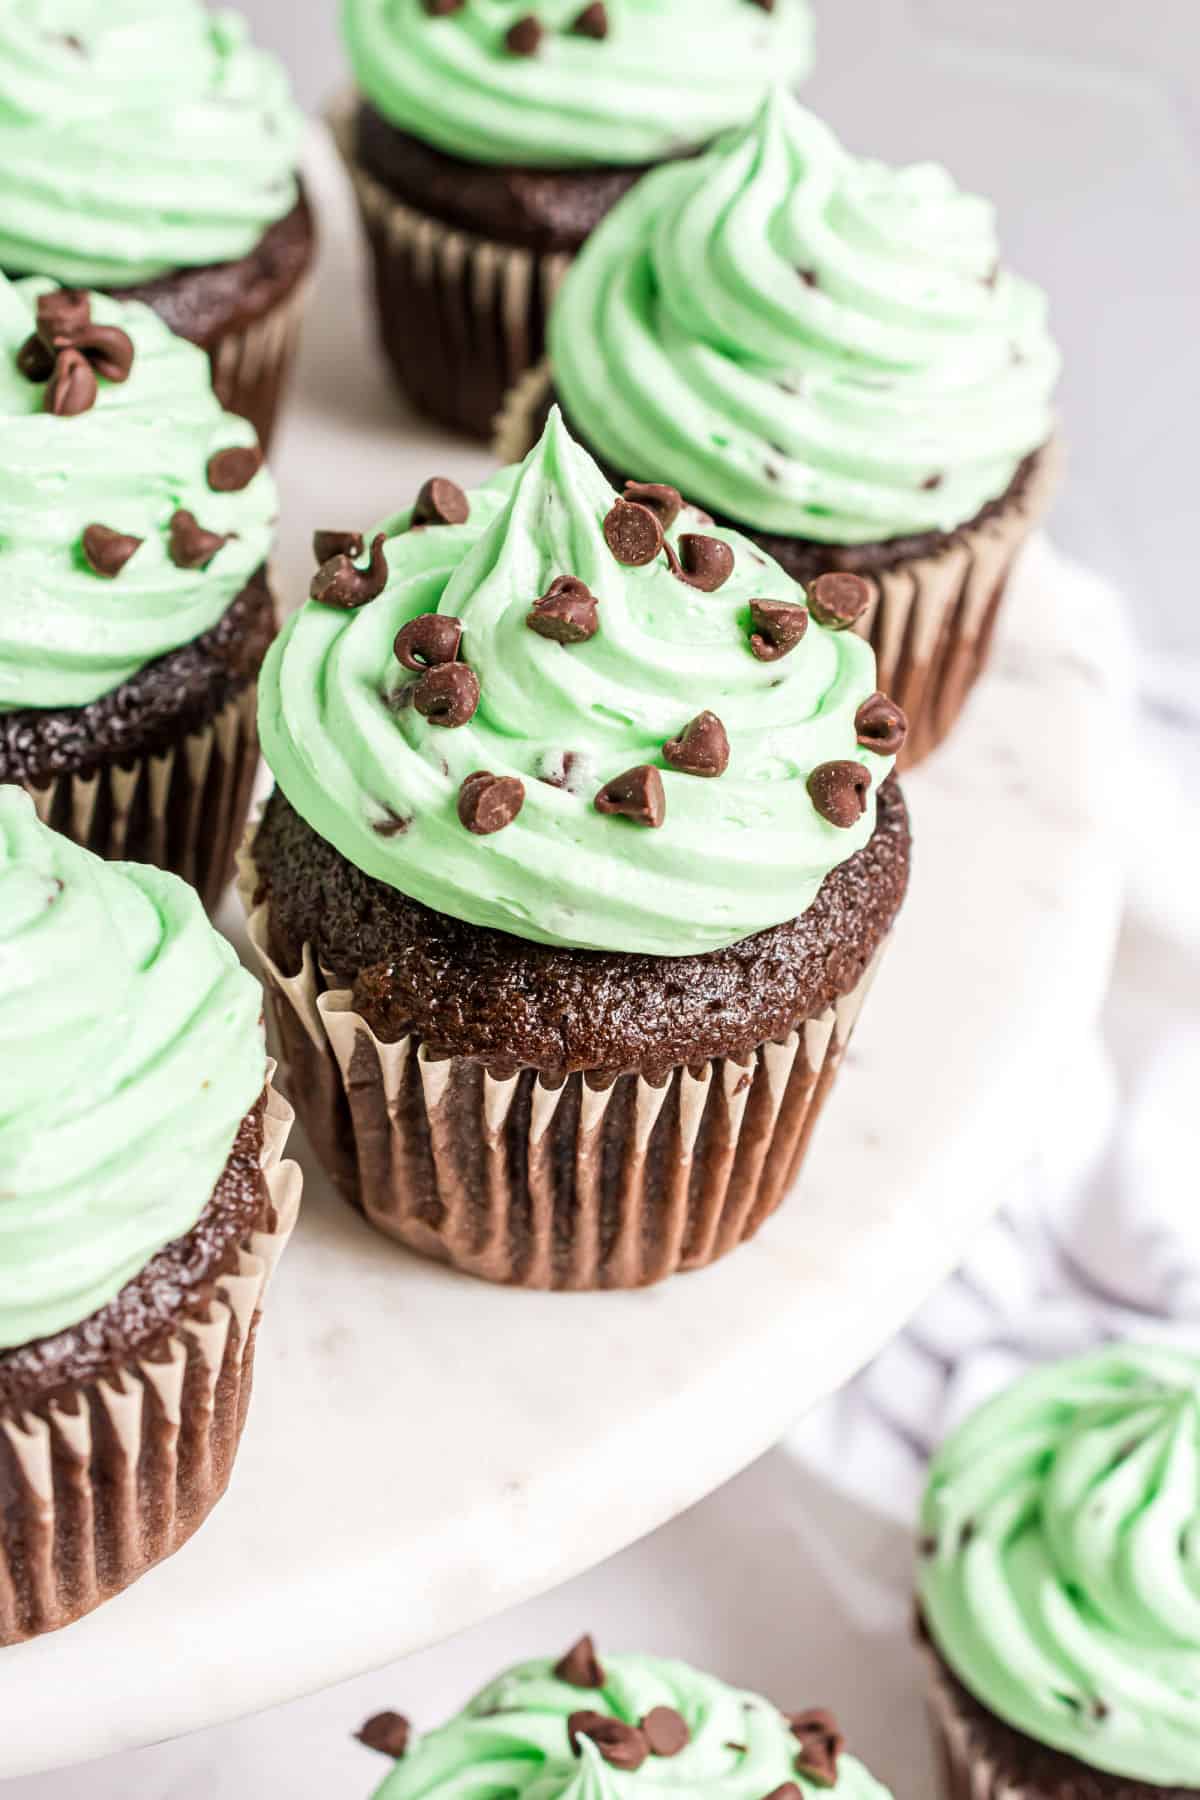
column 826, row 354
column 486, row 140
column 148, row 149
column 135, row 523
column 1058, row 1585
column 581, row 855
column 143, row 1205
column 628, row 1725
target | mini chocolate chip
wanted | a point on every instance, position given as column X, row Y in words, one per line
column 1101, row 1709
column 565, row 613
column 525, row 37
column 487, row 802
column 62, row 315
column 838, row 600
column 580, row 1667
column 620, row 1744
column 930, row 483
column 808, row 277
column 881, row 725
column 328, row 544
column 71, row 389
column 592, row 21
column 767, row 6
column 665, row 1731
column 633, row 533
column 448, row 695
column 229, row 471
column 387, row 1732
column 787, row 1790
column 966, row 1536
column 34, row 360
column 340, row 581
column 108, row 551
column 108, row 349
column 392, row 824
column 441, row 502
column 821, row 1743
column 637, row 794
column 839, row 791
column 442, row 9
column 779, row 625
column 428, row 640
column 666, row 502
column 706, row 562
column 702, row 747
column 191, row 546
column 927, row 1547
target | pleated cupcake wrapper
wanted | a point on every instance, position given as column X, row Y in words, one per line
column 462, row 317
column 933, row 617
column 251, row 367
column 574, row 1186
column 113, row 1476
column 182, row 809
column 965, row 1770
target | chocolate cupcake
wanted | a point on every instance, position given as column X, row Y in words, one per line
column 1058, row 1585
column 487, row 140
column 135, row 523
column 143, row 1205
column 149, row 150
column 826, row 354
column 582, row 854
column 621, row 1724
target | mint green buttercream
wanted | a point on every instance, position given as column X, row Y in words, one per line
column 137, row 137
column 668, row 76
column 68, row 635
column 1063, row 1588
column 736, row 854
column 130, row 1051
column 512, row 1740
column 806, row 342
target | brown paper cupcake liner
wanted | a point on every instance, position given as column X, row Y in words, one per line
column 183, row 809
column 251, row 367
column 461, row 317
column 108, row 1479
column 933, row 617
column 574, row 1186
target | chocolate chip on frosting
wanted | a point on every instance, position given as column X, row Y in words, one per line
column 487, row 802
column 838, row 600
column 881, row 725
column 580, row 1667
column 779, row 625
column 821, row 1743
column 839, row 791
column 525, row 37
column 592, row 21
column 638, row 794
column 387, row 1732
column 442, row 9
column 621, row 1745
column 72, row 387
column 107, row 551
column 702, row 747
column 429, row 640
column 448, row 695
column 566, row 612
column 665, row 1731
column 666, row 502
column 633, row 533
column 787, row 1790
column 441, row 502
column 34, row 361
column 229, row 471
column 328, row 544
column 340, row 582
column 392, row 824
column 62, row 315
column 191, row 546
column 705, row 562
column 69, row 352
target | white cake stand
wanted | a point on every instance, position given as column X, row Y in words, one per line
column 424, row 1451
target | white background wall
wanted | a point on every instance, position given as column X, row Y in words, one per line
column 1081, row 118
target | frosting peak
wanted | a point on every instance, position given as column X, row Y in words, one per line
column 623, row 820
column 811, row 343
column 130, row 1052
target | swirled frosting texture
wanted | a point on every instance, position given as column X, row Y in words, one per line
column 137, row 137
column 380, row 783
column 668, row 76
column 512, row 1739
column 1061, row 1580
column 140, row 454
column 808, row 343
column 130, row 1051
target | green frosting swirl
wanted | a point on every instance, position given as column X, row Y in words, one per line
column 806, row 342
column 137, row 137
column 378, row 781
column 512, row 1740
column 667, row 78
column 68, row 635
column 1062, row 1580
column 130, row 1051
